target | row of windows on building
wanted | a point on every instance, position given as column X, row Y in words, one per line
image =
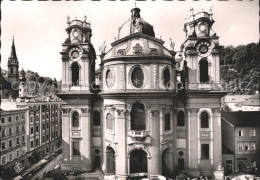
column 43, row 127
column 11, row 156
column 10, row 119
column 44, row 139
column 10, row 130
column 138, row 119
column 44, row 107
column 246, row 146
column 204, row 150
column 242, row 133
column 43, row 117
column 10, row 143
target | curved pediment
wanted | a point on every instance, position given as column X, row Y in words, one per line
column 137, row 45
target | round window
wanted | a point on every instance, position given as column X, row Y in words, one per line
column 97, row 151
column 181, row 153
column 109, row 78
column 137, row 77
column 166, row 76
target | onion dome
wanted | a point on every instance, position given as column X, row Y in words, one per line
column 135, row 25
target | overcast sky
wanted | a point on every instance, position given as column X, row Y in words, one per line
column 39, row 27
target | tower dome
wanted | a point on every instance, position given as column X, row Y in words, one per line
column 135, row 25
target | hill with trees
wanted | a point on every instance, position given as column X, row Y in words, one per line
column 240, row 67
column 39, row 85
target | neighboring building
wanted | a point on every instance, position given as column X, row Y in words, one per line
column 240, row 138
column 251, row 104
column 30, row 129
column 43, row 126
column 32, row 126
column 13, row 138
column 9, row 84
column 241, row 102
column 138, row 123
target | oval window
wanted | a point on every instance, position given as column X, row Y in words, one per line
column 137, row 77
column 166, row 77
column 109, row 78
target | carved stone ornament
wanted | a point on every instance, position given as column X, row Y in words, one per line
column 154, row 74
column 121, row 76
column 120, row 111
column 137, row 49
column 154, row 51
column 66, row 110
column 85, row 110
column 122, row 52
column 192, row 110
column 216, row 110
column 154, row 112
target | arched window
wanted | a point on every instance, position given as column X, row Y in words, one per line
column 75, row 74
column 204, row 120
column 166, row 77
column 96, row 118
column 167, row 122
column 204, row 70
column 137, row 77
column 180, row 118
column 75, row 119
column 110, row 121
column 11, row 70
column 138, row 119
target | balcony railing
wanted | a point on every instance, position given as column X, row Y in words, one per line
column 139, row 137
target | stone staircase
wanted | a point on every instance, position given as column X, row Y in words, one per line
column 98, row 175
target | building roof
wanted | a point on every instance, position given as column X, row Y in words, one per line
column 9, row 105
column 236, row 98
column 134, row 25
column 226, row 150
column 13, row 51
column 252, row 101
column 51, row 98
column 3, row 82
column 242, row 119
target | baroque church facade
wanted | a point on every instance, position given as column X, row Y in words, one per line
column 154, row 111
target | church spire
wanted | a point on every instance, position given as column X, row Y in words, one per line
column 13, row 51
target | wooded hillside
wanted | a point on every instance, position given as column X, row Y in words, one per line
column 240, row 67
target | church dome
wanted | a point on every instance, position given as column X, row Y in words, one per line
column 135, row 25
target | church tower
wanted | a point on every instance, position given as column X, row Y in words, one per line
column 78, row 73
column 202, row 97
column 13, row 66
column 201, row 50
column 22, row 85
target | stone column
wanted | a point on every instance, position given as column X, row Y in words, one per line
column 103, row 125
column 192, row 139
column 155, row 161
column 86, row 142
column 217, row 150
column 121, row 158
column 65, row 138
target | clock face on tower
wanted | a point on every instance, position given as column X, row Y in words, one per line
column 203, row 48
column 75, row 54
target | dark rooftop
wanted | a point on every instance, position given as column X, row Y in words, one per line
column 242, row 118
column 226, row 150
column 252, row 101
